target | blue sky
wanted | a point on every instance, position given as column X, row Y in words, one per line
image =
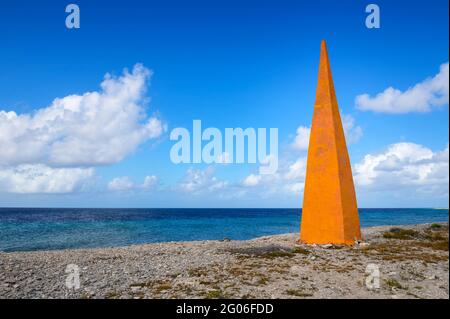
column 230, row 64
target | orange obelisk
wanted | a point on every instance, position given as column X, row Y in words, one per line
column 330, row 213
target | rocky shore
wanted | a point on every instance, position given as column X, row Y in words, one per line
column 392, row 262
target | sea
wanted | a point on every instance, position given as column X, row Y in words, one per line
column 33, row 229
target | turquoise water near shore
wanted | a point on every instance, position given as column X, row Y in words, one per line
column 29, row 229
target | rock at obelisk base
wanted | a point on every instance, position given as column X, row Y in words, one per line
column 330, row 213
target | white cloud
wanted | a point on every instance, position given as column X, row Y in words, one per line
column 422, row 97
column 296, row 170
column 200, row 181
column 353, row 133
column 120, row 184
column 301, row 140
column 96, row 128
column 54, row 149
column 252, row 180
column 150, row 181
column 43, row 179
column 124, row 183
column 289, row 180
column 295, row 188
column 405, row 166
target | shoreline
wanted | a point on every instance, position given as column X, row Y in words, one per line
column 364, row 231
column 275, row 266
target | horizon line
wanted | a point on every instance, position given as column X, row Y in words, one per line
column 74, row 207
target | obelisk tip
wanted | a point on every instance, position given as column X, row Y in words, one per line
column 323, row 47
